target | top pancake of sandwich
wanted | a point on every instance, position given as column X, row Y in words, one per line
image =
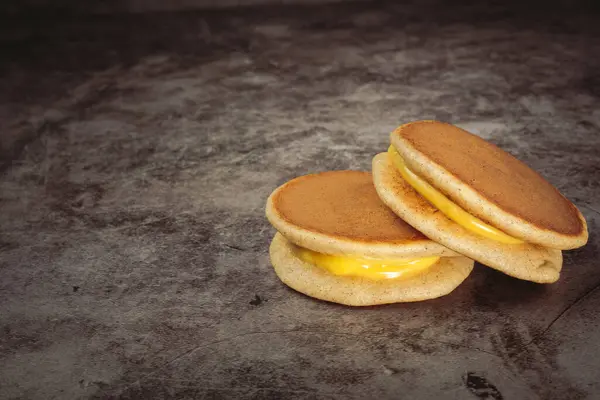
column 341, row 204
column 494, row 174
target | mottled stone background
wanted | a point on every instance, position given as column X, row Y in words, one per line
column 137, row 154
column 142, row 6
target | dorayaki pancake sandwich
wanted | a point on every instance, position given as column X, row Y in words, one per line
column 478, row 200
column 338, row 242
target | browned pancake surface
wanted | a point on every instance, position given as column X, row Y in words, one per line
column 341, row 203
column 495, row 174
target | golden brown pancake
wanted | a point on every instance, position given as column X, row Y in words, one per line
column 523, row 261
column 343, row 204
column 339, row 212
column 490, row 184
column 441, row 279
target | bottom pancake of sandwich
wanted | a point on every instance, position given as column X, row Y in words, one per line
column 524, row 261
column 437, row 280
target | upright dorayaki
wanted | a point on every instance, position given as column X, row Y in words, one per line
column 478, row 200
column 338, row 242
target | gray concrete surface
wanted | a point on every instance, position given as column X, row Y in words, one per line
column 143, row 6
column 137, row 156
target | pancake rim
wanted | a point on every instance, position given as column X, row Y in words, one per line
column 479, row 205
column 338, row 245
column 439, row 280
column 523, row 261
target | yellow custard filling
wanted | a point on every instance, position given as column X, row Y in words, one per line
column 371, row 268
column 447, row 206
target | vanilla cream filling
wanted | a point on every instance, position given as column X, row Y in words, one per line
column 371, row 268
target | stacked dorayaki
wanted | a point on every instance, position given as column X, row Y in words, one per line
column 437, row 200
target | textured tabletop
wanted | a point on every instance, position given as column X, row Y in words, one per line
column 137, row 155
